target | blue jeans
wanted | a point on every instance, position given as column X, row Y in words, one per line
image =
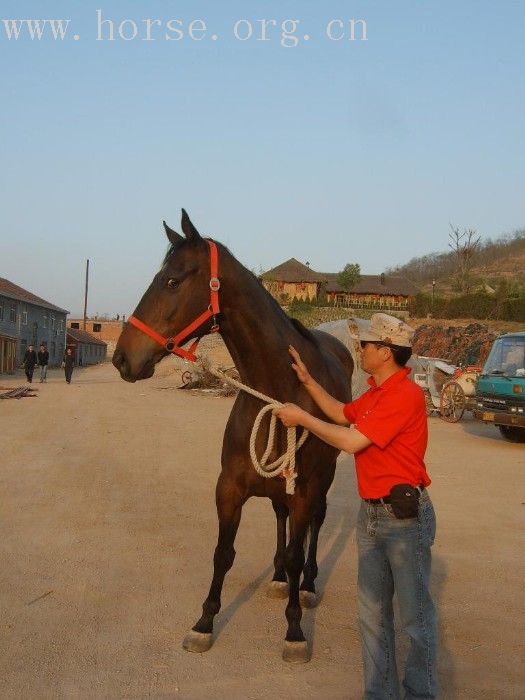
column 394, row 555
column 43, row 373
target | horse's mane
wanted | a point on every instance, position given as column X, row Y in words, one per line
column 305, row 332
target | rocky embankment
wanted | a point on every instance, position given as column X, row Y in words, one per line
column 467, row 345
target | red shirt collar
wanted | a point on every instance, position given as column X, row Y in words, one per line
column 391, row 381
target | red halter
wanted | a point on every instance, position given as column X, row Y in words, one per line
column 172, row 344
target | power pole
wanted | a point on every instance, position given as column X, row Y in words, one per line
column 86, row 294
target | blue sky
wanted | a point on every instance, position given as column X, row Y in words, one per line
column 328, row 151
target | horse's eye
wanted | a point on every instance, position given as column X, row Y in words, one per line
column 173, row 283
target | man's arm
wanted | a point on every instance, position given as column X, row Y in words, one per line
column 330, row 406
column 347, row 439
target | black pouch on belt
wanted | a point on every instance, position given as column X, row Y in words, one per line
column 404, row 500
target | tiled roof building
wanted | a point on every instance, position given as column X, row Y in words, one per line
column 13, row 291
column 26, row 319
column 87, row 349
column 294, row 279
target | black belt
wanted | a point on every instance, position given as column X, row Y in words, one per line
column 386, row 499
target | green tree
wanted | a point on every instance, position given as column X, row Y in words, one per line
column 349, row 276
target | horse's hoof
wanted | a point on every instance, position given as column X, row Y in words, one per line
column 296, row 652
column 277, row 589
column 308, row 599
column 197, row 641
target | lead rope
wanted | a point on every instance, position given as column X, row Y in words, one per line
column 285, row 464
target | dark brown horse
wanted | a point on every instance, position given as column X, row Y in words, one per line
column 257, row 334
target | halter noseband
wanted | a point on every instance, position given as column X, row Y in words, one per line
column 172, row 344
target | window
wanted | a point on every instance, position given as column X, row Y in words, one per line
column 60, row 325
column 24, row 318
column 75, row 324
column 97, row 327
column 52, row 322
column 45, row 321
column 12, row 313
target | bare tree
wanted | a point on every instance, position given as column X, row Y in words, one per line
column 464, row 244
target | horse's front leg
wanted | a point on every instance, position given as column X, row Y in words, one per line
column 278, row 587
column 307, row 592
column 229, row 508
column 295, row 646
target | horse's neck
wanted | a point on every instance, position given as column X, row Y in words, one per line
column 257, row 334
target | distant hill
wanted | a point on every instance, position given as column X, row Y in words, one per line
column 496, row 261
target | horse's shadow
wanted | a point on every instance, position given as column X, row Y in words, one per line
column 340, row 522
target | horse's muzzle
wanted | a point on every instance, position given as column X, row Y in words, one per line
column 121, row 363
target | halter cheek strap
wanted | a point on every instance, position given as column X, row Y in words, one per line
column 172, row 344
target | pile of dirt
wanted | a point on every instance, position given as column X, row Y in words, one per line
column 467, row 345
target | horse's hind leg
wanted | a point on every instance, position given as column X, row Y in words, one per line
column 229, row 508
column 307, row 593
column 278, row 587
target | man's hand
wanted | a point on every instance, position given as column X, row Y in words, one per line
column 290, row 415
column 343, row 438
column 330, row 406
column 303, row 375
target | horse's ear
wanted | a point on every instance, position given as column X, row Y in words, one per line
column 172, row 235
column 188, row 228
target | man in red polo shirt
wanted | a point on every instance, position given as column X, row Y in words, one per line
column 396, row 523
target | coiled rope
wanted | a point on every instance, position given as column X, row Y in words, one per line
column 285, row 464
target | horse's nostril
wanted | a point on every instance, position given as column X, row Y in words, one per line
column 118, row 359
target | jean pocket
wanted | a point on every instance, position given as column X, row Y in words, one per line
column 428, row 522
column 388, row 510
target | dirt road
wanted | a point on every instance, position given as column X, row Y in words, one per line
column 108, row 530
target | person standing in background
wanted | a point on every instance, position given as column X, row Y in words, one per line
column 30, row 360
column 68, row 364
column 43, row 359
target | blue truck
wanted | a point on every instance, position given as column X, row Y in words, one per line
column 500, row 388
